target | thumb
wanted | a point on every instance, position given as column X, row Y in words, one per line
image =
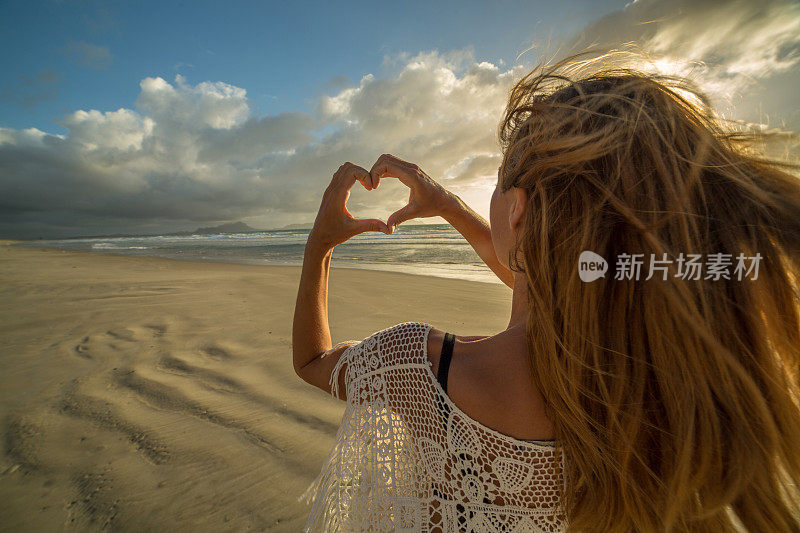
column 400, row 216
column 371, row 224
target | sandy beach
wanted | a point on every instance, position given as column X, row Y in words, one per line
column 154, row 394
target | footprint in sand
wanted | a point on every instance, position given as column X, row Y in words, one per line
column 82, row 348
column 122, row 334
column 158, row 329
column 216, row 352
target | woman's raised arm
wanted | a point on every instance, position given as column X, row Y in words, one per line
column 428, row 199
column 311, row 335
column 475, row 229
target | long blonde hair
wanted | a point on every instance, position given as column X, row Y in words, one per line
column 675, row 401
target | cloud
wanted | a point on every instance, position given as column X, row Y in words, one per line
column 737, row 50
column 30, row 91
column 187, row 153
column 438, row 111
column 89, row 55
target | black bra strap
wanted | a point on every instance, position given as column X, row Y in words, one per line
column 444, row 360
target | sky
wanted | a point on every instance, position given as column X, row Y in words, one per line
column 149, row 117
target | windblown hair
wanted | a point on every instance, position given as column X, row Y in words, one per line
column 675, row 401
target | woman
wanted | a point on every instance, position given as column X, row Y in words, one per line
column 648, row 377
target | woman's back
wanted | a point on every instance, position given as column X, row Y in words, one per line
column 407, row 458
column 489, row 380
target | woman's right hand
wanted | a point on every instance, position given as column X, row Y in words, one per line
column 426, row 199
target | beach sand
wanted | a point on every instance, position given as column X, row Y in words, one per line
column 152, row 394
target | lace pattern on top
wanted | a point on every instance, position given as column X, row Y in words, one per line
column 406, row 458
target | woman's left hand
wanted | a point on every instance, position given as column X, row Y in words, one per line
column 334, row 223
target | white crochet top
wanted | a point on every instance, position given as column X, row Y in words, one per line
column 406, row 458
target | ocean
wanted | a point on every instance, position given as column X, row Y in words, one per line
column 429, row 249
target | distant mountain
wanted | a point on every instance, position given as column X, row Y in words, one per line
column 304, row 225
column 233, row 227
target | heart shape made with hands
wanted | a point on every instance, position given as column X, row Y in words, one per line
column 425, row 195
column 426, row 198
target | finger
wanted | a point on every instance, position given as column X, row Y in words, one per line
column 346, row 176
column 347, row 173
column 389, row 166
column 400, row 216
column 371, row 224
column 399, row 161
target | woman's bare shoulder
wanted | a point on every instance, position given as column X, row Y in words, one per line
column 436, row 340
column 490, row 383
